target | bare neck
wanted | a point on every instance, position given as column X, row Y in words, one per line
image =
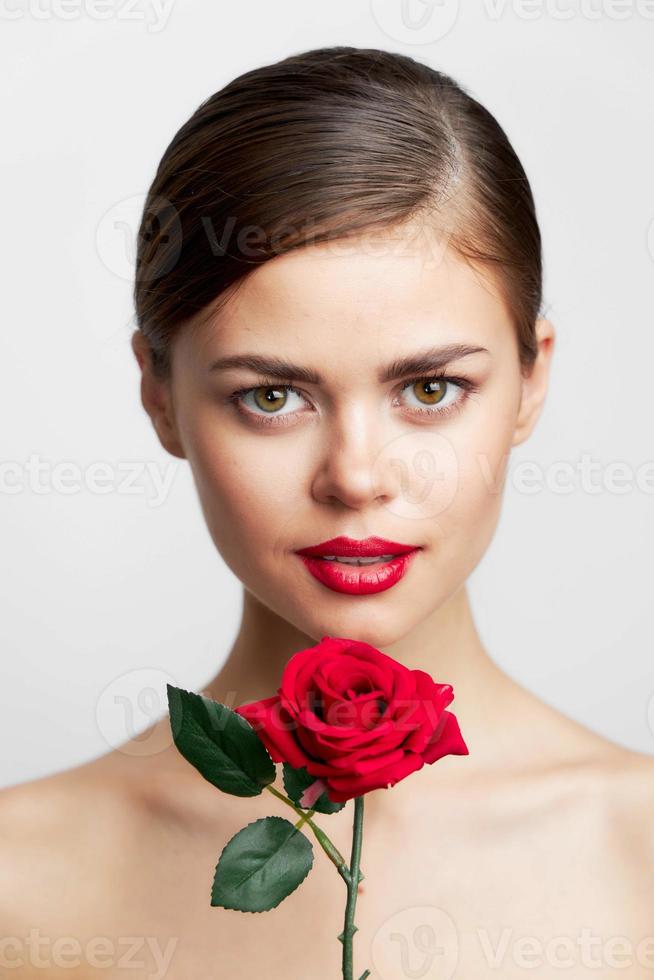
column 446, row 645
column 507, row 729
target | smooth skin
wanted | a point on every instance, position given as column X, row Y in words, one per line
column 535, row 853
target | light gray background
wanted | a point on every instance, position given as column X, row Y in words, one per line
column 106, row 596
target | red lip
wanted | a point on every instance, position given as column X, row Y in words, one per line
column 346, row 547
column 358, row 580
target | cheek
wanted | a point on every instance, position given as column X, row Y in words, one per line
column 467, row 525
column 246, row 492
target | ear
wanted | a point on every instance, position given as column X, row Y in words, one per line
column 534, row 387
column 156, row 398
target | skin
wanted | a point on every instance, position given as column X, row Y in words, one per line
column 543, row 831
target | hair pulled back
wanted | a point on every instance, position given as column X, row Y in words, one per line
column 321, row 146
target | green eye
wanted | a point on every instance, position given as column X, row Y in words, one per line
column 428, row 398
column 438, row 396
column 269, row 399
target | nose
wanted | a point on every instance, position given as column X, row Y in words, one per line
column 351, row 468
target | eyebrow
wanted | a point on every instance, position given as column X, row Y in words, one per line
column 422, row 362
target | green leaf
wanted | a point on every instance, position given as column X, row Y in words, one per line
column 221, row 744
column 261, row 865
column 295, row 783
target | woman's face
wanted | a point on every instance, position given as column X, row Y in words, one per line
column 361, row 449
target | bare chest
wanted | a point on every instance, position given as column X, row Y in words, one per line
column 472, row 897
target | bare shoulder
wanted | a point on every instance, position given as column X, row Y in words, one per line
column 592, row 796
column 611, row 795
column 626, row 789
column 622, row 780
column 91, row 872
column 59, row 835
column 627, row 785
column 66, row 807
column 616, row 782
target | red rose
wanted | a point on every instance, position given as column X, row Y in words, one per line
column 354, row 718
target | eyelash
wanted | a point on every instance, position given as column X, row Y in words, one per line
column 465, row 384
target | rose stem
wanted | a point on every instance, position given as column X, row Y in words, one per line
column 355, row 877
column 328, row 847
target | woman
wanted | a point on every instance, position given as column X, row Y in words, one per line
column 338, row 294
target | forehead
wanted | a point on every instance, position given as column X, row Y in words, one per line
column 368, row 296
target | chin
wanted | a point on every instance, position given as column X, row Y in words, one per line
column 365, row 625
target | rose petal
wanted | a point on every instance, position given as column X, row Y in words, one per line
column 276, row 729
column 447, row 740
column 342, row 789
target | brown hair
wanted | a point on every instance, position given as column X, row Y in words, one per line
column 320, row 146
